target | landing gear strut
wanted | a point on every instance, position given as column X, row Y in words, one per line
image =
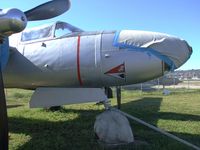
column 118, row 94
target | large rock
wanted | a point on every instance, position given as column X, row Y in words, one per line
column 111, row 127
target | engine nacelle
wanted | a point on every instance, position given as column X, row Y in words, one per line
column 12, row 21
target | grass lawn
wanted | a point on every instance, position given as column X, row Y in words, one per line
column 72, row 127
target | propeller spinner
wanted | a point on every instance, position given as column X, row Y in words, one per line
column 14, row 20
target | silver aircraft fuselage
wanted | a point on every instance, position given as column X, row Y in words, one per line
column 49, row 57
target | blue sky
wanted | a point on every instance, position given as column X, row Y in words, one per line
column 176, row 17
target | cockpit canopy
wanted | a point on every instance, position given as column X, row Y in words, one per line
column 55, row 30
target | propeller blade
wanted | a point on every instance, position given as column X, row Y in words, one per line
column 48, row 10
column 118, row 92
column 3, row 117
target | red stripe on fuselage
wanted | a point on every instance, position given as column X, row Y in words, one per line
column 78, row 61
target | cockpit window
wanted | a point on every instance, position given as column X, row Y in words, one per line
column 37, row 33
column 61, row 29
column 57, row 29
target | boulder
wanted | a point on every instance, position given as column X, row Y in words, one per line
column 112, row 127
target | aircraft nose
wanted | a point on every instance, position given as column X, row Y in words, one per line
column 171, row 50
column 189, row 49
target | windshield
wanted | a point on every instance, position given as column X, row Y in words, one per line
column 37, row 33
column 56, row 30
column 61, row 29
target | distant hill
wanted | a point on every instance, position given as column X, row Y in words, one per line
column 172, row 78
column 185, row 74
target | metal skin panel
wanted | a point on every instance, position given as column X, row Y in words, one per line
column 135, row 71
column 138, row 66
column 90, row 72
column 79, row 59
column 53, row 63
column 110, row 58
column 20, row 72
column 56, row 60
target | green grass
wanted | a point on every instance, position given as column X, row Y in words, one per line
column 72, row 127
